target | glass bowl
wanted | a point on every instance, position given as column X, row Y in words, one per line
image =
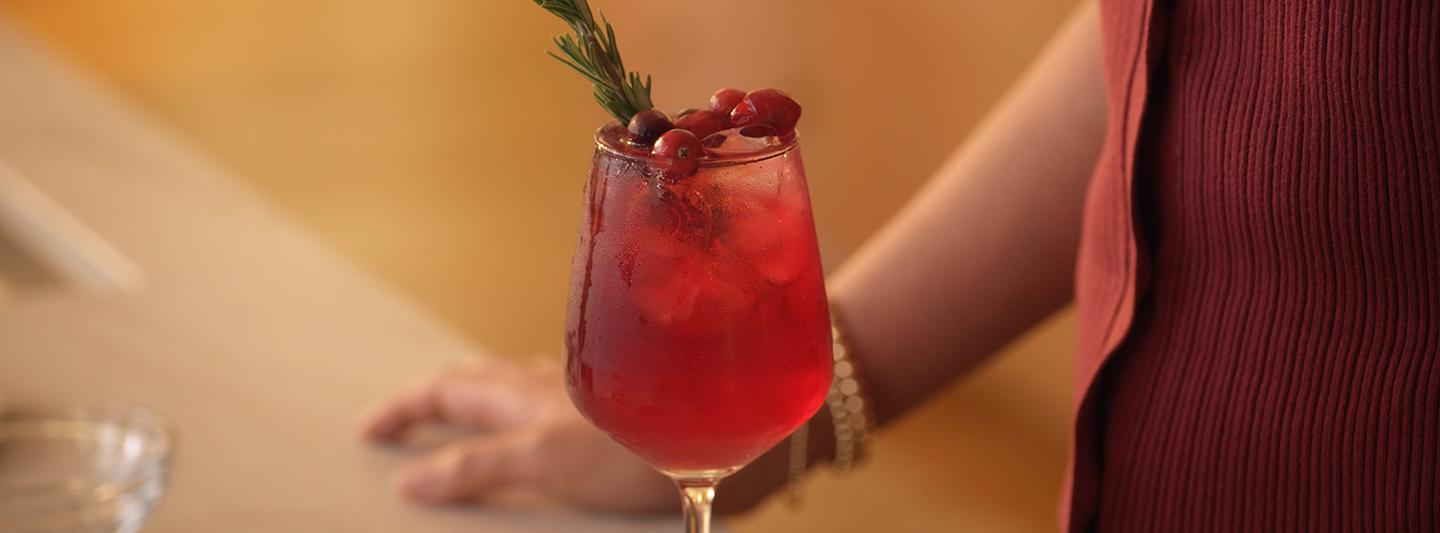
column 85, row 469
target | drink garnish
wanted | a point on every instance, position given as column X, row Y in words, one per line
column 771, row 107
column 680, row 150
column 724, row 100
column 592, row 52
column 703, row 122
column 647, row 125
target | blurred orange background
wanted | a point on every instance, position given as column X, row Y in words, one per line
column 433, row 143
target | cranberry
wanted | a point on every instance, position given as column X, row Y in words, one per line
column 647, row 125
column 703, row 123
column 725, row 99
column 684, row 112
column 767, row 106
column 679, row 152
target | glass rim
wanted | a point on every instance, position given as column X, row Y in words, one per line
column 787, row 144
column 156, row 462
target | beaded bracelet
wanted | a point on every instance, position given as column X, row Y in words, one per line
column 851, row 414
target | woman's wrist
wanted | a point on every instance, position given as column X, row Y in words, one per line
column 837, row 434
column 771, row 472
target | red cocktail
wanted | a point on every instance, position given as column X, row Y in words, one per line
column 698, row 332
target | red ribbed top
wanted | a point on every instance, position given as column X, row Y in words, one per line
column 1278, row 365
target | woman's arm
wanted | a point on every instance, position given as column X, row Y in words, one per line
column 983, row 252
column 987, row 248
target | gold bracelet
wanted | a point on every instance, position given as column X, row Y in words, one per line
column 851, row 414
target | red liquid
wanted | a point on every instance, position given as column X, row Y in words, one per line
column 698, row 332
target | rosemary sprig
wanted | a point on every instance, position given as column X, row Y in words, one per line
column 591, row 51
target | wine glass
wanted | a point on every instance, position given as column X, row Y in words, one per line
column 697, row 330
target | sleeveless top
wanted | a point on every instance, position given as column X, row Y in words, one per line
column 1258, row 285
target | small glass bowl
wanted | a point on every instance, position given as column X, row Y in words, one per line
column 77, row 469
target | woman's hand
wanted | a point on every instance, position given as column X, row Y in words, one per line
column 530, row 437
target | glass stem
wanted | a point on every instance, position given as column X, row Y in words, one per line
column 698, row 494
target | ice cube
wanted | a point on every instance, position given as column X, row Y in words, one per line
column 785, row 265
column 777, row 245
column 741, row 141
column 664, row 296
column 750, row 185
column 689, row 298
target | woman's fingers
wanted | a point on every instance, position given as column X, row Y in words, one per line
column 470, row 469
column 464, row 400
